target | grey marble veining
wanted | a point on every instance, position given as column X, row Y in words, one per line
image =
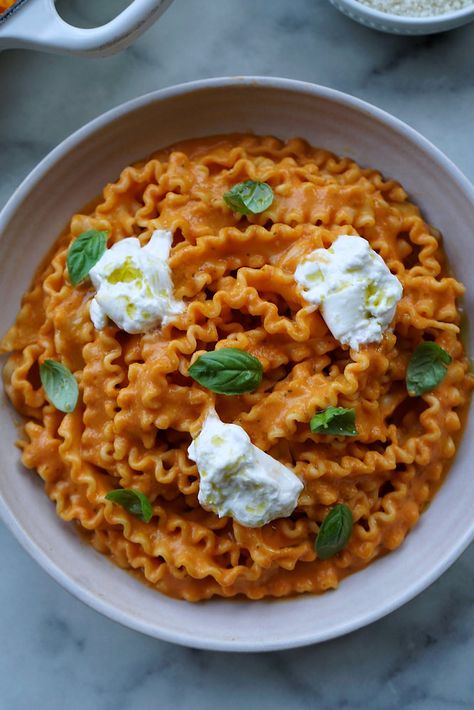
column 57, row 653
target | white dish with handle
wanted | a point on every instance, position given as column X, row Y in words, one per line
column 36, row 24
column 75, row 172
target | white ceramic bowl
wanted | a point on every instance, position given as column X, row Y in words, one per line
column 403, row 24
column 75, row 172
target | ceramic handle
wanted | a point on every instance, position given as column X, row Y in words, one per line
column 35, row 24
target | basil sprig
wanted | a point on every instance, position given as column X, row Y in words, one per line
column 84, row 253
column 427, row 368
column 133, row 501
column 335, row 421
column 249, row 197
column 334, row 532
column 59, row 384
column 227, row 371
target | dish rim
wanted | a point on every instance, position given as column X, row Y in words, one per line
column 17, row 199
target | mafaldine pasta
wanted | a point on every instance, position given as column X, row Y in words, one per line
column 139, row 409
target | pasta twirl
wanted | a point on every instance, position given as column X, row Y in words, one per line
column 139, row 409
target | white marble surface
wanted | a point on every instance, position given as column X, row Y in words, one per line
column 58, row 654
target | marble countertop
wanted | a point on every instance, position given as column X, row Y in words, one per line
column 60, row 654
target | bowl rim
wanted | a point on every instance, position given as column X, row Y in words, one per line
column 16, row 200
column 464, row 13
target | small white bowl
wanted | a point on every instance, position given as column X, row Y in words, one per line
column 403, row 24
column 68, row 178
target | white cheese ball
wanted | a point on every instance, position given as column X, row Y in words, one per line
column 239, row 480
column 354, row 288
column 134, row 286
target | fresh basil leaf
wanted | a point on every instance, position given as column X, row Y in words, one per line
column 227, row 371
column 133, row 501
column 84, row 253
column 334, row 532
column 335, row 421
column 60, row 385
column 249, row 197
column 427, row 367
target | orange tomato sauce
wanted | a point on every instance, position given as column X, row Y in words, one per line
column 5, row 4
column 138, row 409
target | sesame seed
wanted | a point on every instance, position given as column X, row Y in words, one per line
column 417, row 8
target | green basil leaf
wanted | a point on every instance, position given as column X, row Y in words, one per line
column 60, row 385
column 427, row 367
column 227, row 371
column 249, row 197
column 84, row 253
column 335, row 421
column 133, row 501
column 334, row 532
